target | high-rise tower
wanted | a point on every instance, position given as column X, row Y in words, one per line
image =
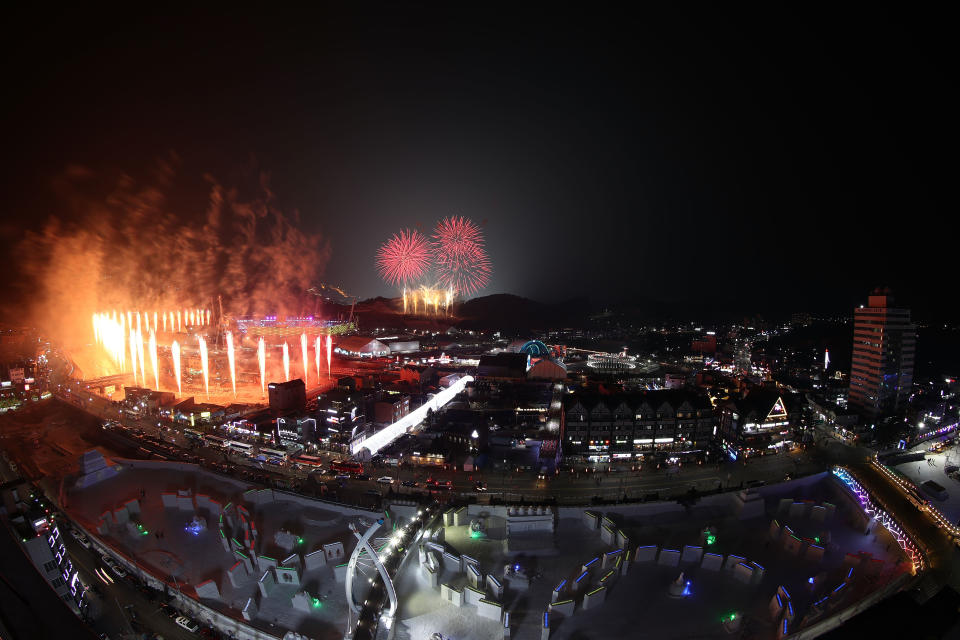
column 884, row 342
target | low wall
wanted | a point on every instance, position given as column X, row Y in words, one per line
column 234, row 627
column 279, row 494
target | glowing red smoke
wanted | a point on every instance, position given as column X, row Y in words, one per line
column 404, row 257
column 462, row 262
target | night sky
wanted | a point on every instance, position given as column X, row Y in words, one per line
column 751, row 161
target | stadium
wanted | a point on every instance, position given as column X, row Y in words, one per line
column 193, row 353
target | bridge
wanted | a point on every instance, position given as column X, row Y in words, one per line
column 117, row 380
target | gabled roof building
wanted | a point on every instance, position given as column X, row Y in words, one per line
column 652, row 424
column 756, row 424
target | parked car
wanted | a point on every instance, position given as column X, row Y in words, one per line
column 385, row 480
column 82, row 539
column 408, row 483
column 187, row 624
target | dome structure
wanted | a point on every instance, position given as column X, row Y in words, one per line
column 536, row 349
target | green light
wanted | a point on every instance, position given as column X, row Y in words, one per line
column 299, row 540
column 316, row 603
column 711, row 539
column 733, row 617
column 474, row 534
column 817, row 539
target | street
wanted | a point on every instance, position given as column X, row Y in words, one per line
column 125, row 610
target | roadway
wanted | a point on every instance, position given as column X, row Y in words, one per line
column 571, row 486
column 566, row 487
column 936, row 544
column 125, row 608
column 119, row 608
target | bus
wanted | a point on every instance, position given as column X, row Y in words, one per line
column 216, row 441
column 192, row 435
column 273, row 453
column 240, row 447
column 313, row 461
column 347, row 466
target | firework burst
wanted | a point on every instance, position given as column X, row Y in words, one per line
column 462, row 261
column 404, row 257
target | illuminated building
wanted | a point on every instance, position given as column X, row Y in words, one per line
column 43, row 543
column 758, row 423
column 547, row 369
column 341, row 412
column 360, row 346
column 884, row 342
column 674, row 423
column 192, row 412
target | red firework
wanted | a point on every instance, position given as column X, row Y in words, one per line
column 462, row 262
column 404, row 257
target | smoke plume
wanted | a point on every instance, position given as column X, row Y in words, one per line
column 120, row 243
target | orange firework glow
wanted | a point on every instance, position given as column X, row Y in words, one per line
column 262, row 358
column 109, row 335
column 428, row 300
column 203, row 364
column 329, row 354
column 140, row 359
column 133, row 353
column 303, row 352
column 175, row 352
column 153, row 358
column 233, row 364
column 176, row 366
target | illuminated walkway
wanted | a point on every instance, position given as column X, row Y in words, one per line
column 388, row 434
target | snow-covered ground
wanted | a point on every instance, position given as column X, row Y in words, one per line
column 638, row 604
column 170, row 552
